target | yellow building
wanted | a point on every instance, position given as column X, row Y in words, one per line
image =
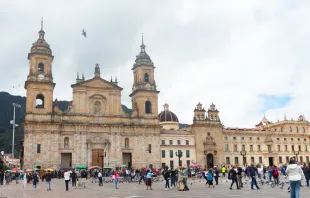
column 95, row 130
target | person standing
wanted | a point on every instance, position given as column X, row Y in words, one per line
column 35, row 180
column 172, row 178
column 295, row 175
column 16, row 177
column 142, row 177
column 307, row 174
column 48, row 178
column 1, row 177
column 84, row 176
column 233, row 176
column 25, row 179
column 74, row 178
column 239, row 176
column 115, row 178
column 67, row 179
column 216, row 175
column 148, row 179
column 100, row 178
column 166, row 175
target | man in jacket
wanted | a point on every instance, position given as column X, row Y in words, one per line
column 84, row 176
column 216, row 175
column 48, row 178
column 239, row 176
column 253, row 173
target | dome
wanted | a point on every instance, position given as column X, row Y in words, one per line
column 167, row 116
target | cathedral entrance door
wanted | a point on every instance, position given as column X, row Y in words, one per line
column 97, row 157
column 210, row 160
column 66, row 160
column 127, row 157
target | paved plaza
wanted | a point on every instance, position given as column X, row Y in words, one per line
column 197, row 190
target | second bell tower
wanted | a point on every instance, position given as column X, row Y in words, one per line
column 144, row 91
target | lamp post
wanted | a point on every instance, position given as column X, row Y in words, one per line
column 296, row 153
column 179, row 154
column 15, row 105
column 243, row 153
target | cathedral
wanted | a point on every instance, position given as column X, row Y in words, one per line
column 96, row 130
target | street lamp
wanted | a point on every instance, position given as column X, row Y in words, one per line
column 243, row 153
column 15, row 105
column 296, row 153
column 179, row 154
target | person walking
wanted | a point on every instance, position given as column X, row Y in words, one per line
column 74, row 178
column 35, row 180
column 166, row 175
column 84, row 176
column 307, row 174
column 223, row 172
column 253, row 173
column 233, row 176
column 48, row 178
column 216, row 175
column 67, row 179
column 115, row 178
column 239, row 177
column 295, row 175
column 172, row 178
column 142, row 177
column 210, row 178
column 24, row 178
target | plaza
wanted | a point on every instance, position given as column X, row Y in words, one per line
column 198, row 189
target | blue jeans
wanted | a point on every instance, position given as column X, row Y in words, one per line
column 48, row 185
column 172, row 181
column 254, row 182
column 115, row 183
column 295, row 188
column 269, row 178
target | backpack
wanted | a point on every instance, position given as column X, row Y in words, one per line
column 275, row 172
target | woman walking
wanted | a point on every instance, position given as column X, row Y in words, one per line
column 295, row 175
column 115, row 177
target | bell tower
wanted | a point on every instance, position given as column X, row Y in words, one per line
column 39, row 84
column 144, row 94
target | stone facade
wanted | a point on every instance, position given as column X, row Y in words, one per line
column 95, row 130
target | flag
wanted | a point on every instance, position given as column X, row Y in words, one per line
column 267, row 125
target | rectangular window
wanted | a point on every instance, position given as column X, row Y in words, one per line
column 251, row 148
column 163, row 153
column 235, row 147
column 226, row 147
column 38, row 148
column 252, row 159
column 299, row 148
column 306, row 148
column 287, row 159
column 227, row 160
column 234, row 138
column 243, row 147
column 293, row 148
column 307, row 159
column 258, row 147
column 280, row 160
column 269, row 148
column 187, row 153
column 242, row 138
column 301, row 159
column 285, row 147
column 150, row 148
column 162, row 142
column 284, row 139
column 179, row 142
column 170, row 142
column 279, row 148
column 171, row 164
column 250, row 138
column 260, row 159
column 188, row 162
column 236, row 160
column 187, row 142
column 171, row 153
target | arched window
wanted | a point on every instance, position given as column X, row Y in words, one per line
column 148, row 107
column 41, row 67
column 303, row 129
column 126, row 142
column 66, row 142
column 296, row 129
column 40, row 101
column 146, row 77
column 290, row 129
column 97, row 107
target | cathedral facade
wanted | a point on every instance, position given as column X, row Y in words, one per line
column 95, row 129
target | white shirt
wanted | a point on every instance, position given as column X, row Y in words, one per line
column 260, row 171
column 294, row 172
column 99, row 174
column 67, row 175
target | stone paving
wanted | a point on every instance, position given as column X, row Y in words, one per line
column 197, row 190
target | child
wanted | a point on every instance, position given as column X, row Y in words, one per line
column 210, row 178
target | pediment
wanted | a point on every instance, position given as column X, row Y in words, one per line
column 96, row 83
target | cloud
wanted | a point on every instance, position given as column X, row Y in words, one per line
column 228, row 53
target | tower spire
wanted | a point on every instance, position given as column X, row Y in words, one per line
column 41, row 23
column 142, row 45
column 41, row 32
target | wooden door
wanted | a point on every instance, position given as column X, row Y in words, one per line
column 97, row 157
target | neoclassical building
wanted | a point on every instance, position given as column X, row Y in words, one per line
column 96, row 130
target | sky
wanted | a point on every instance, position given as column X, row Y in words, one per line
column 249, row 58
